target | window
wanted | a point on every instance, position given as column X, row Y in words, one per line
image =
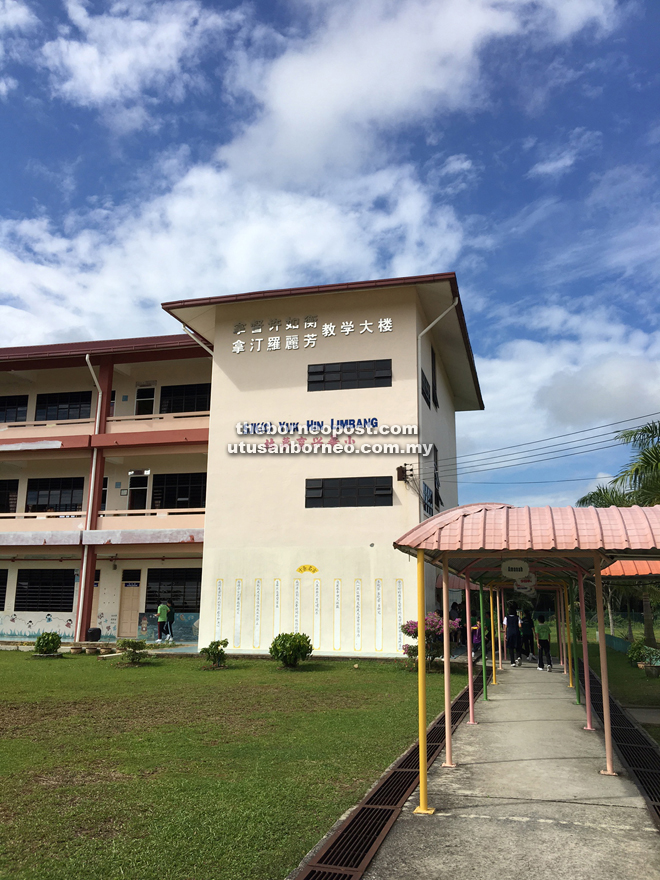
column 144, row 401
column 182, row 585
column 185, row 398
column 54, row 493
column 178, row 490
column 63, row 405
column 131, row 577
column 8, row 495
column 426, row 389
column 437, row 500
column 349, row 492
column 427, row 499
column 352, row 374
column 113, row 400
column 434, row 381
column 45, row 589
column 138, row 483
column 3, row 588
column 13, row 408
column 104, row 494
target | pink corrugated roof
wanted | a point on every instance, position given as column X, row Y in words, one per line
column 632, row 568
column 500, row 527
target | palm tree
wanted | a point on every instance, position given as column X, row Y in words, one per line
column 638, row 483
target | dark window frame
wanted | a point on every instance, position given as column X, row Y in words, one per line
column 62, row 406
column 15, row 405
column 426, row 389
column 8, row 496
column 427, row 499
column 345, row 375
column 437, row 499
column 434, row 380
column 349, row 492
column 50, row 491
column 182, row 585
column 4, row 573
column 163, row 485
column 192, row 397
column 45, row 589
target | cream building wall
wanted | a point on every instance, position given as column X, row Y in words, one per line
column 270, row 564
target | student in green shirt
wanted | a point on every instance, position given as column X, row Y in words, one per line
column 162, row 620
column 543, row 638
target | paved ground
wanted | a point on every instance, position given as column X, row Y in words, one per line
column 644, row 714
column 526, row 799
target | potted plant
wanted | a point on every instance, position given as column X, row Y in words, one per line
column 75, row 649
column 636, row 653
column 652, row 662
column 47, row 645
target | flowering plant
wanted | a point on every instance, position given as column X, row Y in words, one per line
column 433, row 631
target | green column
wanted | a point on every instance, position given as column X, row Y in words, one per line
column 558, row 632
column 484, row 670
column 576, row 677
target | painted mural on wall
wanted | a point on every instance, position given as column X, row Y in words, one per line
column 107, row 623
column 184, row 629
column 26, row 625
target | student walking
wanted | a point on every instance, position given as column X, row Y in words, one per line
column 512, row 631
column 162, row 621
column 543, row 639
column 527, row 632
column 170, row 621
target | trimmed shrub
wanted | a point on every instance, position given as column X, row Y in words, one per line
column 215, row 653
column 134, row 650
column 637, row 652
column 291, row 648
column 47, row 643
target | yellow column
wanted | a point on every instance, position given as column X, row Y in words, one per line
column 421, row 686
column 492, row 634
column 604, row 678
column 447, row 649
column 568, row 640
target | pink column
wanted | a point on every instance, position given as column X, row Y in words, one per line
column 499, row 624
column 445, row 641
column 469, row 649
column 585, row 652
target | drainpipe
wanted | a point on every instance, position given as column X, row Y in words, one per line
column 83, row 571
column 419, row 361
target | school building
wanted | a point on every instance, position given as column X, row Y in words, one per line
column 255, row 469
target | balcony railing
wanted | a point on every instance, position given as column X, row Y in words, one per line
column 114, row 425
column 175, row 511
column 46, row 521
column 60, row 520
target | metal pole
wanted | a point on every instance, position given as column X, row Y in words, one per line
column 421, row 687
column 576, row 670
column 568, row 639
column 602, row 649
column 499, row 631
column 585, row 652
column 469, row 649
column 484, row 668
column 492, row 635
column 445, row 633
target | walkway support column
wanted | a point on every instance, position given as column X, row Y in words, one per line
column 575, row 667
column 499, row 631
column 568, row 639
column 448, row 762
column 602, row 650
column 469, row 649
column 484, row 666
column 560, row 613
column 421, row 686
column 492, row 634
column 585, row 652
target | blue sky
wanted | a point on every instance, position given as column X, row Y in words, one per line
column 159, row 150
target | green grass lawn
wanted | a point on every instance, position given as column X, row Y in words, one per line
column 628, row 684
column 172, row 772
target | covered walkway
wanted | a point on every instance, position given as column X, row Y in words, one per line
column 526, row 800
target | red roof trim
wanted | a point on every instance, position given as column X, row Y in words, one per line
column 320, row 288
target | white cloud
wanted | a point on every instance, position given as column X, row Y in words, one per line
column 561, row 159
column 371, row 66
column 137, row 52
column 211, row 235
column 16, row 16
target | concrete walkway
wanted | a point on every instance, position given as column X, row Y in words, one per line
column 526, row 800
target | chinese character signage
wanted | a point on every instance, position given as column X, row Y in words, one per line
column 276, row 334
